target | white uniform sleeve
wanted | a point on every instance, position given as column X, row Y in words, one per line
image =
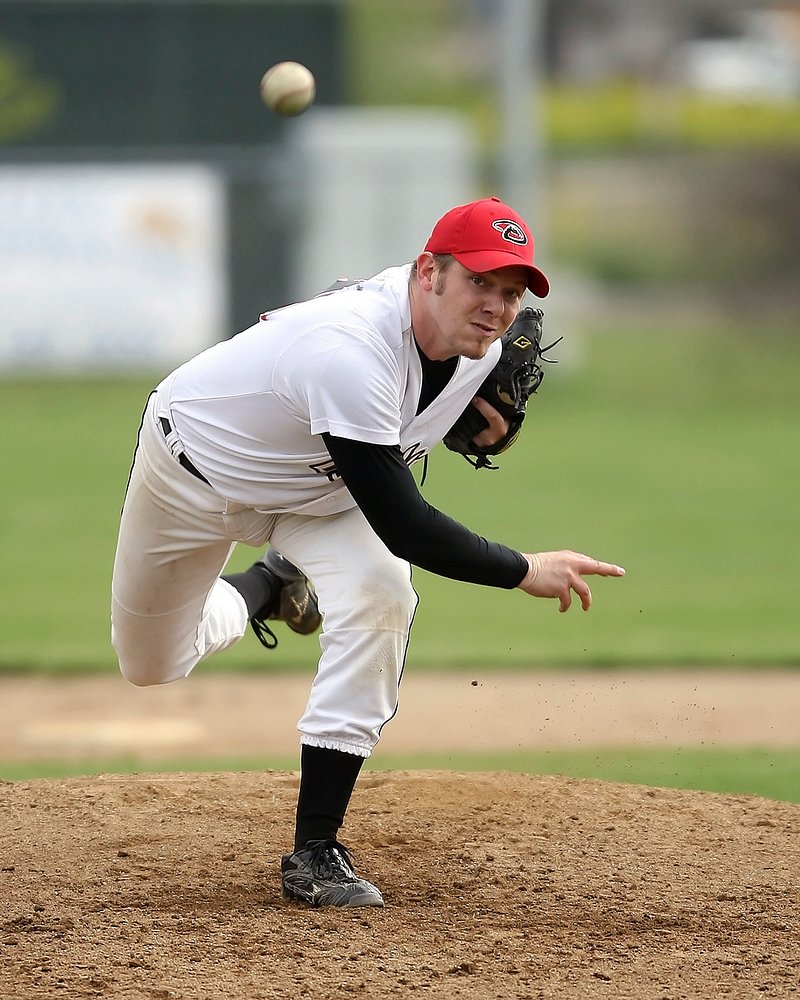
column 345, row 383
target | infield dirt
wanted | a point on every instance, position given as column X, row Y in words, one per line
column 496, row 885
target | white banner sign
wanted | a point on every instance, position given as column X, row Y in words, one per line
column 110, row 267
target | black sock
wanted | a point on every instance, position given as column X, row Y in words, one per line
column 255, row 586
column 327, row 779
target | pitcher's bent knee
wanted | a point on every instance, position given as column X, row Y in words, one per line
column 144, row 663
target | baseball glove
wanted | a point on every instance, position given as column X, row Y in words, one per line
column 511, row 382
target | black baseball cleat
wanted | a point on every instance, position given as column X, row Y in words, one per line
column 296, row 603
column 321, row 874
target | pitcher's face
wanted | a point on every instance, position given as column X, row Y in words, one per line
column 469, row 310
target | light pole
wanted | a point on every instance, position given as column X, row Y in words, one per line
column 520, row 163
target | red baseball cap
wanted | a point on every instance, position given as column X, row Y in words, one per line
column 486, row 235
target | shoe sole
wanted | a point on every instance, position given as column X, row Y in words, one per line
column 347, row 902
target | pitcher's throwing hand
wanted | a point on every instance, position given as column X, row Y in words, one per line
column 557, row 574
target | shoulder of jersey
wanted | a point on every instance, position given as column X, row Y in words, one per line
column 376, row 283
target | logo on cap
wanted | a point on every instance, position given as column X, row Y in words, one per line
column 510, row 231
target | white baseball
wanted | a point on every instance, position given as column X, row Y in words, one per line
column 288, row 88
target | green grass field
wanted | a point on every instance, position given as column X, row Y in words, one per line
column 767, row 773
column 674, row 454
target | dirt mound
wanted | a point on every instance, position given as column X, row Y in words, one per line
column 497, row 885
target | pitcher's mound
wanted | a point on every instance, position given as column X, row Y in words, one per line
column 496, row 885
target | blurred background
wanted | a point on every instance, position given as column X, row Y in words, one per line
column 150, row 205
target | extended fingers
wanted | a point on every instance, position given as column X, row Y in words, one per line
column 560, row 574
column 596, row 567
column 608, row 569
column 582, row 565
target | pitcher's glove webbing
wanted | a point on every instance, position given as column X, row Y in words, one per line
column 511, row 382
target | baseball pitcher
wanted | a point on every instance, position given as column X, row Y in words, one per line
column 296, row 437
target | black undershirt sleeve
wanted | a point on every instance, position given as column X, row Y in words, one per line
column 386, row 492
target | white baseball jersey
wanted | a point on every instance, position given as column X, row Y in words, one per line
column 250, row 411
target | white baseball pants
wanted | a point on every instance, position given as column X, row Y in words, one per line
column 170, row 609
